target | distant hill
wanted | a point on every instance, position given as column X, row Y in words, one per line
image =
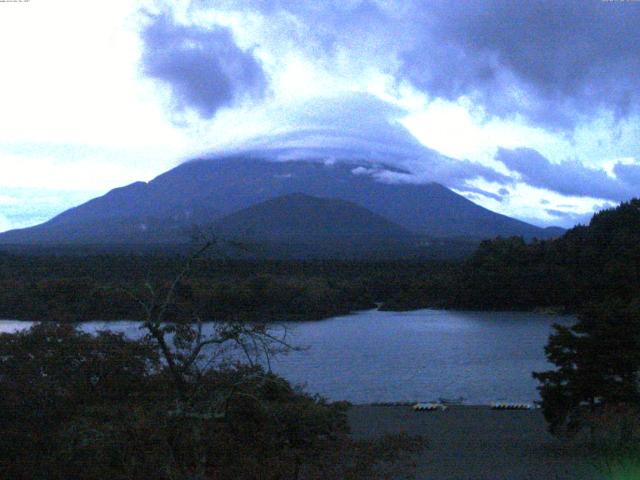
column 552, row 232
column 299, row 225
column 302, row 217
column 203, row 191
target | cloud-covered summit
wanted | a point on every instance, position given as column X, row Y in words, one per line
column 552, row 66
column 362, row 127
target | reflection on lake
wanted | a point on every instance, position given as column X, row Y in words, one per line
column 375, row 356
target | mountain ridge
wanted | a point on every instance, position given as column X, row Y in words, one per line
column 200, row 192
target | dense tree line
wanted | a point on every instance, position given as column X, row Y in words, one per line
column 105, row 287
column 588, row 263
column 596, row 262
column 595, row 386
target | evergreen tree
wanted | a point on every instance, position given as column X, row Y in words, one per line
column 598, row 366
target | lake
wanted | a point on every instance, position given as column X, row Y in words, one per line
column 375, row 356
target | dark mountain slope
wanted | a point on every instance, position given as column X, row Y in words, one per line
column 199, row 192
column 301, row 226
column 302, row 217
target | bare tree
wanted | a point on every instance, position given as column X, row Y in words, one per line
column 190, row 352
column 187, row 350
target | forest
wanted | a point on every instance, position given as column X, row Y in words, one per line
column 594, row 262
column 72, row 288
column 589, row 263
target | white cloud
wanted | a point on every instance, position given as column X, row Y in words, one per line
column 537, row 205
column 8, row 200
column 24, row 207
column 5, row 224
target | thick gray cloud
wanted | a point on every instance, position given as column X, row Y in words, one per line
column 204, row 68
column 629, row 174
column 554, row 62
column 571, row 177
column 566, row 58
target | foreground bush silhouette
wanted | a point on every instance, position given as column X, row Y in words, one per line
column 77, row 406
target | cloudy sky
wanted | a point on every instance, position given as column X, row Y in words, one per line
column 529, row 108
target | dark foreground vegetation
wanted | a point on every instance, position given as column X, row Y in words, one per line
column 594, row 390
column 76, row 406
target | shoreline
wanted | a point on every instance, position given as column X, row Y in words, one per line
column 476, row 442
column 289, row 318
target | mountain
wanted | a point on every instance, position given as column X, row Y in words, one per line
column 553, row 232
column 299, row 226
column 301, row 217
column 200, row 192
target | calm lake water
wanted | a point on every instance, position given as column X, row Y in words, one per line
column 375, row 356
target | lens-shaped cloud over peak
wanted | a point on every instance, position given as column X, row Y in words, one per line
column 361, row 127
